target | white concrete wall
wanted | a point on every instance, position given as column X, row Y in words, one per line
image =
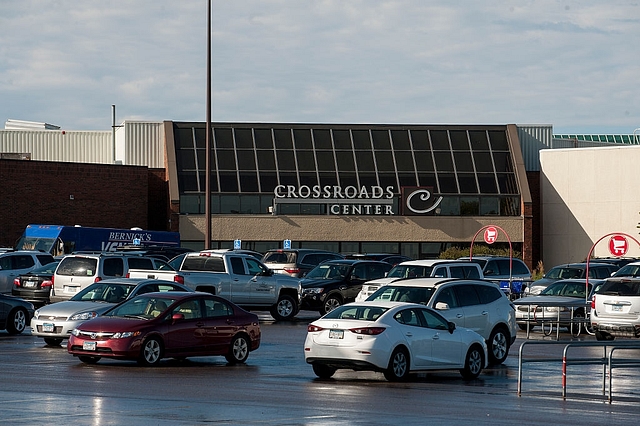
column 587, row 193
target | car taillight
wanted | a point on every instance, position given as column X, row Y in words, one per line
column 593, row 302
column 127, row 275
column 313, row 328
column 97, row 279
column 292, row 270
column 369, row 331
column 16, row 282
column 178, row 279
column 47, row 283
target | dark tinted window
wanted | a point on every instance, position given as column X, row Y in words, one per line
column 140, row 263
column 23, row 261
column 45, row 258
column 621, row 288
column 488, row 294
column 280, row 257
column 237, row 266
column 113, row 267
column 467, row 295
column 203, row 263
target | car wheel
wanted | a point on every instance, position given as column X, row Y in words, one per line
column 89, row 359
column 498, row 345
column 52, row 341
column 17, row 321
column 398, row 369
column 601, row 335
column 285, row 309
column 323, row 371
column 330, row 304
column 238, row 350
column 473, row 363
column 151, row 352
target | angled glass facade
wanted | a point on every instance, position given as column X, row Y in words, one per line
column 307, row 169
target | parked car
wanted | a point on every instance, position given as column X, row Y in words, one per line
column 617, row 261
column 441, row 268
column 77, row 271
column 475, row 304
column 572, row 271
column 566, row 301
column 615, row 309
column 336, row 282
column 153, row 326
column 55, row 322
column 391, row 258
column 35, row 286
column 501, row 269
column 15, row 314
column 394, row 338
column 15, row 263
column 629, row 270
column 296, row 262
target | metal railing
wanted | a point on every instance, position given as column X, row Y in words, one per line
column 607, row 360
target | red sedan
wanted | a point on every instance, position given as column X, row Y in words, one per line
column 173, row 324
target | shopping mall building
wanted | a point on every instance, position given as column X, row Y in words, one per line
column 409, row 189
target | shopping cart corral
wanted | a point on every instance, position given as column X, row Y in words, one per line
column 514, row 288
column 552, row 313
column 615, row 355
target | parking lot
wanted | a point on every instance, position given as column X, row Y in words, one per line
column 46, row 385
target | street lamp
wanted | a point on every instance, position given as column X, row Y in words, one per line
column 207, row 197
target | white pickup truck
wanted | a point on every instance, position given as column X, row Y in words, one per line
column 242, row 279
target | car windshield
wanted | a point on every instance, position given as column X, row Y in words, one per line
column 566, row 289
column 628, row 271
column 409, row 271
column 564, row 273
column 361, row 313
column 328, row 271
column 403, row 294
column 78, row 266
column 280, row 257
column 146, row 307
column 104, row 292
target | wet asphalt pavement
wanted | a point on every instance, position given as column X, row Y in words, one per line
column 43, row 385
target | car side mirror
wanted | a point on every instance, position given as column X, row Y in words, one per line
column 452, row 326
column 442, row 306
column 267, row 273
column 177, row 317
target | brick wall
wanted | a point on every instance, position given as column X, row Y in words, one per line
column 75, row 194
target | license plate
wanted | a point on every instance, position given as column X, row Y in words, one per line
column 88, row 346
column 29, row 284
column 48, row 328
column 616, row 308
column 68, row 289
column 336, row 334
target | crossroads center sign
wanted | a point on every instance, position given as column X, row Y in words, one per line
column 351, row 200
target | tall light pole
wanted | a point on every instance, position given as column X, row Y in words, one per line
column 207, row 197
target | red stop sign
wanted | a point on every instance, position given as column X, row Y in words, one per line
column 618, row 245
column 490, row 235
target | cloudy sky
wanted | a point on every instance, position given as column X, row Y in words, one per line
column 574, row 64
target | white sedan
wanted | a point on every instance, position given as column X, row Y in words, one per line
column 392, row 337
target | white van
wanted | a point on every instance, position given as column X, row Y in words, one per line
column 438, row 268
column 77, row 271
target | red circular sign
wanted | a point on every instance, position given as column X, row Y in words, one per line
column 618, row 245
column 490, row 235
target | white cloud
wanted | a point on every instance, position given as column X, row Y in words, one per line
column 566, row 62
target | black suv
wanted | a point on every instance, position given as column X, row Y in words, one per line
column 336, row 282
column 296, row 262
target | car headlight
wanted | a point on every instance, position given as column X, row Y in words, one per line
column 36, row 314
column 125, row 334
column 313, row 290
column 75, row 332
column 83, row 316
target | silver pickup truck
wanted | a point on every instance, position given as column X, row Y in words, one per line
column 242, row 279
